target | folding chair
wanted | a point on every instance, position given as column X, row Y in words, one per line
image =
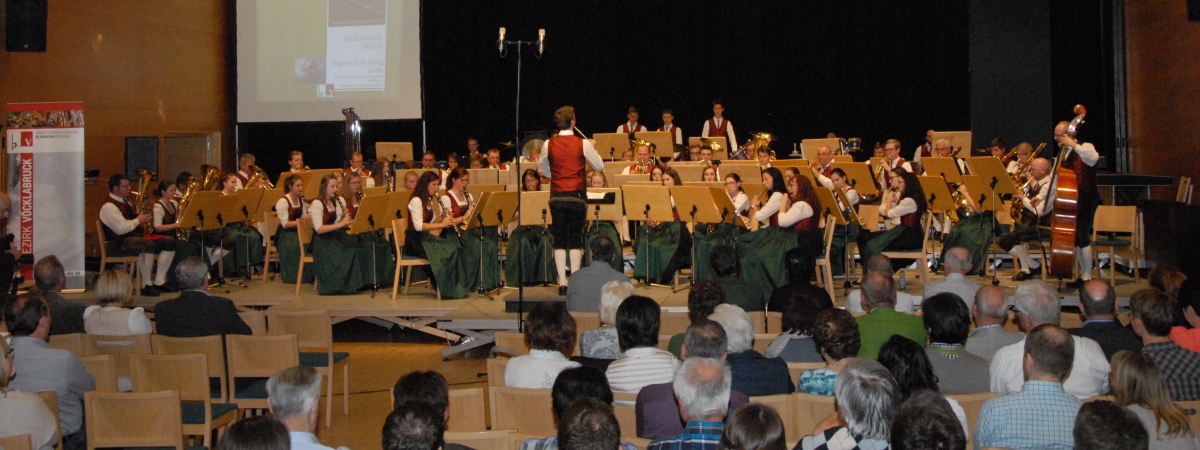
column 213, row 349
column 187, row 375
column 254, row 359
column 314, row 331
column 398, row 227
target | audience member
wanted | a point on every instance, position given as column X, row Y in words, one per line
column 1104, row 425
column 656, row 409
column 882, row 321
column 47, row 369
column 255, row 433
column 836, row 335
column 1098, row 304
column 589, row 425
column 23, row 412
column 1138, row 384
column 417, row 426
column 196, row 313
column 1189, row 305
column 912, row 371
column 753, row 426
column 601, row 343
column 642, row 362
column 796, row 343
column 949, row 320
column 925, row 422
column 746, row 295
column 881, row 264
column 1167, row 278
column 800, row 268
column 753, row 374
column 550, row 334
column 702, row 388
column 1152, row 319
column 958, row 265
column 1037, row 304
column 572, row 385
column 990, row 312
column 583, row 293
column 50, row 278
column 293, row 396
column 703, row 297
column 1042, row 414
column 112, row 316
column 425, row 387
column 867, row 399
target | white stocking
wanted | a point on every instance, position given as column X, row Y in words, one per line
column 164, row 264
column 576, row 259
column 146, row 268
column 1021, row 253
column 1085, row 262
column 560, row 263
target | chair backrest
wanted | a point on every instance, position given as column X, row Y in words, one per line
column 50, row 398
column 212, row 347
column 479, row 440
column 467, row 411
column 17, row 442
column 1070, row 320
column 774, row 322
column 515, row 439
column 758, row 318
column 120, row 347
column 785, row 405
column 972, row 404
column 1116, row 219
column 626, row 412
column 133, row 419
column 829, row 229
column 187, row 374
column 103, row 369
column 256, row 320
column 511, row 342
column 1192, row 409
column 585, row 321
column 398, row 227
column 270, row 224
column 313, row 329
column 495, row 372
column 762, row 340
column 1181, row 194
column 535, row 414
column 811, row 409
column 260, row 356
column 869, row 215
column 797, row 368
column 305, row 231
column 664, row 341
column 673, row 322
column 73, row 343
column 102, row 241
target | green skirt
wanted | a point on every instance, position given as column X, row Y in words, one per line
column 842, row 235
column 287, row 241
column 973, row 233
column 662, row 249
column 341, row 262
column 531, row 248
column 247, row 250
column 761, row 255
column 603, row 228
column 708, row 237
column 451, row 261
column 384, row 254
column 490, row 254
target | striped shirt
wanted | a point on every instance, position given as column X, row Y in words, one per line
column 641, row 366
column 1041, row 416
column 697, row 436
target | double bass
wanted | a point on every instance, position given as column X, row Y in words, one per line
column 1063, row 221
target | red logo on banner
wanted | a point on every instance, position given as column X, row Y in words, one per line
column 27, row 139
column 25, row 174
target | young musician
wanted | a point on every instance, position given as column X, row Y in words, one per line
column 668, row 117
column 352, row 193
column 247, row 249
column 605, row 228
column 356, row 167
column 710, row 175
column 632, row 125
column 477, row 161
column 1081, row 158
column 667, row 246
column 166, row 223
column 1024, row 151
column 656, row 173
column 842, row 234
column 530, row 246
column 789, row 173
column 801, row 209
column 764, row 158
column 290, row 210
column 733, row 187
column 410, row 180
column 458, row 203
column 761, row 251
column 717, row 126
column 643, row 160
column 903, row 204
column 424, row 217
column 893, row 160
column 1037, row 201
column 296, row 162
column 124, row 235
column 245, row 167
column 925, row 149
column 565, row 161
column 823, row 166
column 341, row 264
column 452, row 163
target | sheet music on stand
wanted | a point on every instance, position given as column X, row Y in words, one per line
column 829, row 207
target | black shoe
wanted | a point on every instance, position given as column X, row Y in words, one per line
column 149, row 291
column 164, row 288
column 562, row 290
column 1022, row 276
column 1075, row 285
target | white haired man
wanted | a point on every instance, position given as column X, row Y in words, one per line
column 702, row 388
column 294, row 396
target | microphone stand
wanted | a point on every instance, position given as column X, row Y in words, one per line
column 995, row 227
column 692, row 281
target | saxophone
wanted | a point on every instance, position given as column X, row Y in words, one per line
column 139, row 198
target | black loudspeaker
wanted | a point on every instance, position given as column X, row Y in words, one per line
column 1193, row 8
column 25, row 25
column 141, row 152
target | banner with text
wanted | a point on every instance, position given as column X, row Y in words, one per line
column 45, row 182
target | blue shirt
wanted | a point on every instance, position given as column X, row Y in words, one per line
column 41, row 368
column 1041, row 416
column 698, row 435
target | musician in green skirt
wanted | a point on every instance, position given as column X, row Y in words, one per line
column 761, row 251
column 481, row 245
column 425, row 216
column 530, row 247
column 385, row 261
column 247, row 248
column 290, row 209
column 661, row 249
column 341, row 262
column 605, row 228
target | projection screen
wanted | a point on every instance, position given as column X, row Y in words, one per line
column 305, row 60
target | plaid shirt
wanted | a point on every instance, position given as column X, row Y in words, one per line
column 1041, row 416
column 551, row 443
column 1181, row 369
column 697, row 436
column 839, row 438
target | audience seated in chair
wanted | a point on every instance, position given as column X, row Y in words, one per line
column 1153, row 315
column 256, row 433
column 589, row 424
column 1138, row 384
column 703, row 298
column 583, row 292
column 882, row 321
column 836, row 334
column 642, row 362
column 702, row 387
column 294, row 395
column 926, row 421
column 754, row 427
column 746, row 295
column 417, row 426
column 990, row 312
column 958, row 371
column 1104, row 425
column 881, row 264
column 867, row 398
column 23, row 412
column 1189, row 306
column 958, row 265
column 800, row 269
column 912, row 372
column 602, row 343
column 573, row 385
column 795, row 344
column 195, row 312
column 112, row 316
column 550, row 334
column 1098, row 304
column 753, row 374
column 50, row 278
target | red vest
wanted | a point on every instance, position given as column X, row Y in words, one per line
column 243, row 179
column 295, row 212
column 715, row 131
column 828, row 169
column 899, row 163
column 567, row 164
column 456, row 209
column 128, row 213
column 925, row 151
column 168, row 213
column 625, row 128
column 329, row 216
column 913, row 219
column 1085, row 175
column 808, row 223
column 426, row 217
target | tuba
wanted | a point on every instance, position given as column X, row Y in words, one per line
column 143, row 193
column 212, row 175
column 185, row 200
column 258, row 178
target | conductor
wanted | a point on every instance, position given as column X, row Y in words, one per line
column 566, row 161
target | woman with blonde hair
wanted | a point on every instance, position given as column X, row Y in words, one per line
column 1138, row 384
column 112, row 316
column 601, row 343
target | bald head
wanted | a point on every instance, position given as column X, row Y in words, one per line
column 879, row 264
column 990, row 306
column 958, row 260
column 1098, row 300
column 877, row 291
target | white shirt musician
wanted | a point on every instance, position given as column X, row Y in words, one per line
column 718, row 126
column 892, row 152
column 632, row 126
column 670, row 127
column 1037, row 202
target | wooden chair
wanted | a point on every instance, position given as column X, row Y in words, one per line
column 17, row 442
column 187, row 375
column 1192, row 409
column 305, row 232
column 774, row 322
column 785, row 405
column 70, row 342
column 1117, row 219
column 103, row 369
column 256, row 320
column 495, row 372
column 810, row 410
column 972, row 404
column 120, row 347
column 213, row 349
column 1070, row 320
column 758, row 318
column 480, row 440
column 624, row 409
column 796, row 368
column 256, row 358
column 515, row 439
column 510, row 343
column 134, row 419
column 762, row 340
column 270, row 226
column 922, row 254
column 1184, row 195
column 824, row 263
column 314, row 331
column 534, row 417
column 584, row 321
column 467, row 411
column 664, row 341
column 50, row 398
column 672, row 323
column 398, row 227
column 131, row 262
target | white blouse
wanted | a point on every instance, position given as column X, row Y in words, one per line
column 799, row 211
column 770, row 208
column 281, row 209
column 740, row 202
column 417, row 211
column 160, row 212
column 316, row 211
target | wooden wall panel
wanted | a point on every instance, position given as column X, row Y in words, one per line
column 1163, row 89
column 142, row 68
